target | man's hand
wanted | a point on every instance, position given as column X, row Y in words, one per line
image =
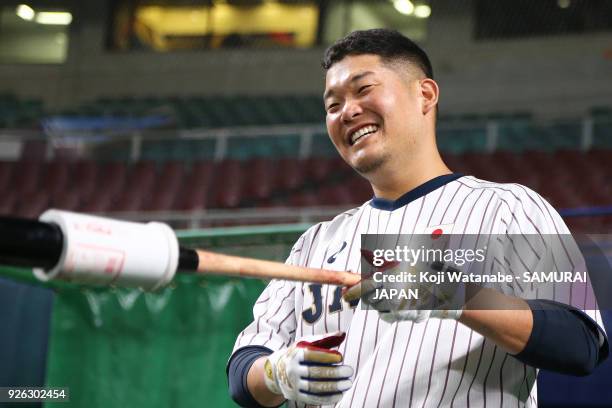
column 309, row 372
column 437, row 300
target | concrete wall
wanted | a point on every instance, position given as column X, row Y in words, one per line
column 551, row 76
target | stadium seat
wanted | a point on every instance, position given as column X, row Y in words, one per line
column 304, row 199
column 109, row 182
column 168, row 187
column 69, row 200
column 335, row 195
column 6, row 169
column 26, row 177
column 359, row 189
column 32, row 204
column 292, row 173
column 128, row 200
column 228, row 187
column 7, row 204
column 195, row 188
column 261, row 179
column 84, row 177
column 456, row 163
column 138, row 188
column 55, row 177
column 319, row 169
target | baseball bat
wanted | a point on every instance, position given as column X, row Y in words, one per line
column 39, row 244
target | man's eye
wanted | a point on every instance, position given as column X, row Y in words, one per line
column 332, row 107
column 363, row 88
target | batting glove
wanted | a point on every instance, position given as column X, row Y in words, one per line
column 435, row 300
column 309, row 372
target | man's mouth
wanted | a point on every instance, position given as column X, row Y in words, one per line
column 362, row 132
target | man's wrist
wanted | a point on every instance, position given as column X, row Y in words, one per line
column 238, row 369
column 270, row 376
column 258, row 388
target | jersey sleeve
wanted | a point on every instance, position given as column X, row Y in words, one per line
column 536, row 244
column 274, row 313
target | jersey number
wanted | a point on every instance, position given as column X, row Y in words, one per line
column 315, row 311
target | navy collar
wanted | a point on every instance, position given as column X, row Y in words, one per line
column 417, row 192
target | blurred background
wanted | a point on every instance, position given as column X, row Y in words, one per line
column 208, row 115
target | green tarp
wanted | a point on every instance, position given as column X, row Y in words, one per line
column 121, row 348
column 127, row 348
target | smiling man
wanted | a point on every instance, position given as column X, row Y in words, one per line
column 381, row 103
column 381, row 116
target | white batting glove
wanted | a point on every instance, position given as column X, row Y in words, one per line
column 431, row 302
column 419, row 316
column 309, row 372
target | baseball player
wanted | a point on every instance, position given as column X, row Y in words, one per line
column 307, row 345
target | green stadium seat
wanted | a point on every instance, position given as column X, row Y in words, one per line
column 322, row 146
column 602, row 135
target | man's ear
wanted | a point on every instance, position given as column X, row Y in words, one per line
column 430, row 93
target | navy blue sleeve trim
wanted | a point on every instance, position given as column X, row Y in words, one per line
column 563, row 339
column 237, row 370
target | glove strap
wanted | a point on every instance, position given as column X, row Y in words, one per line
column 270, row 377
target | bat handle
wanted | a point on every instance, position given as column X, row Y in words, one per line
column 29, row 243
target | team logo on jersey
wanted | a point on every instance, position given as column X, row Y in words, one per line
column 437, row 231
column 333, row 256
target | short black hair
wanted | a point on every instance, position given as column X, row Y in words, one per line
column 390, row 45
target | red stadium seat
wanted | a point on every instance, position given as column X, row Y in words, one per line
column 138, row 188
column 195, row 189
column 6, row 170
column 7, row 204
column 102, row 201
column 508, row 160
column 142, row 178
column 55, row 177
column 32, row 204
column 228, row 185
column 292, row 173
column 338, row 194
column 359, row 189
column 84, row 177
column 321, row 168
column 109, row 182
column 476, row 164
column 127, row 200
column 304, row 199
column 574, row 165
column 456, row 163
column 601, row 159
column 540, row 161
column 261, row 178
column 26, row 177
column 166, row 190
column 68, row 200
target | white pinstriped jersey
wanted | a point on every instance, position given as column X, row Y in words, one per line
column 436, row 363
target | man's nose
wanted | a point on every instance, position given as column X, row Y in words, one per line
column 352, row 109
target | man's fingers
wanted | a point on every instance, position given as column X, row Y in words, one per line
column 325, row 372
column 324, row 387
column 362, row 289
column 352, row 293
column 317, row 356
